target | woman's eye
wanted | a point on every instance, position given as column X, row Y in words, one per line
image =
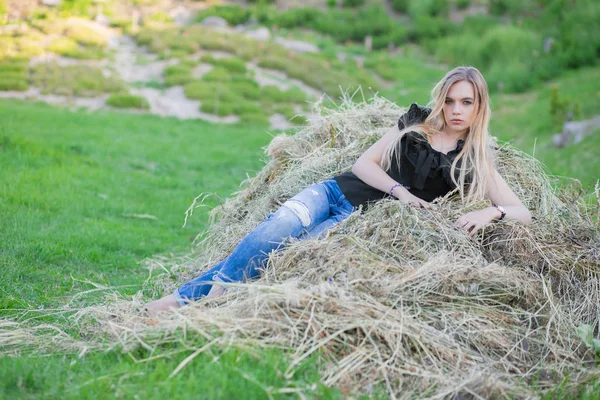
column 448, row 101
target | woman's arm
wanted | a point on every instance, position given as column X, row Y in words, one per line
column 367, row 168
column 500, row 194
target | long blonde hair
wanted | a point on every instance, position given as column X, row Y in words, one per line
column 475, row 158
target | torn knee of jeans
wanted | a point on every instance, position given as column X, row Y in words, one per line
column 300, row 210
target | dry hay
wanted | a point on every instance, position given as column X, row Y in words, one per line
column 395, row 296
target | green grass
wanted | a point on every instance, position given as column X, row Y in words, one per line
column 69, row 182
column 232, row 374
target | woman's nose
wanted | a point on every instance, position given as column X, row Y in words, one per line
column 456, row 108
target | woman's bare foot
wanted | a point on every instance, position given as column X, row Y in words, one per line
column 166, row 303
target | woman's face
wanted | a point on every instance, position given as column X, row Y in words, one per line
column 459, row 108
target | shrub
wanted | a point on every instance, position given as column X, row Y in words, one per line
column 199, row 90
column 85, row 35
column 28, row 47
column 294, row 95
column 254, row 119
column 216, row 107
column 513, row 77
column 400, row 6
column 63, row 46
column 231, row 64
column 12, row 65
column 245, row 90
column 233, row 14
column 560, row 108
column 178, row 79
column 504, row 43
column 272, row 95
column 428, row 8
column 578, row 36
column 284, row 109
column 217, row 74
column 74, row 80
column 511, row 7
column 463, row 4
column 124, row 100
column 247, row 107
column 427, row 28
column 11, row 81
column 353, row 3
column 75, row 7
column 297, row 16
column 479, row 24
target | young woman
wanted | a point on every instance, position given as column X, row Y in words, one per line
column 431, row 152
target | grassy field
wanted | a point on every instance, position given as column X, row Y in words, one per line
column 73, row 187
column 70, row 183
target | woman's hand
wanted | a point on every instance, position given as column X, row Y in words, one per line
column 473, row 221
column 407, row 197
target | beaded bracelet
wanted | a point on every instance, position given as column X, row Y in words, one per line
column 398, row 185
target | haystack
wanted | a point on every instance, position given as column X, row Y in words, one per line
column 395, row 297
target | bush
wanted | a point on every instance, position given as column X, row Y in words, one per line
column 178, row 79
column 254, row 119
column 127, row 101
column 75, row 7
column 199, row 90
column 85, row 35
column 245, row 90
column 217, row 74
column 463, row 4
column 578, row 36
column 511, row 7
column 428, row 28
column 400, row 6
column 216, row 107
column 233, row 14
column 247, row 107
column 284, row 109
column 12, row 81
column 353, row 3
column 74, row 80
column 428, row 8
column 296, row 17
column 63, row 46
column 513, row 77
column 231, row 64
column 28, row 47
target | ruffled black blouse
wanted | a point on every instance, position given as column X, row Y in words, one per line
column 425, row 170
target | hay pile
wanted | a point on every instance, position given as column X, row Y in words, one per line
column 395, row 296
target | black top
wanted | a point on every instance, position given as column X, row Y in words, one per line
column 425, row 170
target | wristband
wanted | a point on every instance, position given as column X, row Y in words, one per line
column 502, row 212
column 398, row 185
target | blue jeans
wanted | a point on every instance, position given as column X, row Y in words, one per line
column 308, row 214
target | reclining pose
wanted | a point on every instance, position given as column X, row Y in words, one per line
column 431, row 152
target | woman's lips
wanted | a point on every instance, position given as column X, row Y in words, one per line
column 457, row 121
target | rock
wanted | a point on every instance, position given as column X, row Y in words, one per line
column 183, row 16
column 51, row 3
column 575, row 131
column 214, row 22
column 262, row 34
column 297, row 45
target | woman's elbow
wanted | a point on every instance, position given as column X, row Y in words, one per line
column 357, row 166
column 527, row 218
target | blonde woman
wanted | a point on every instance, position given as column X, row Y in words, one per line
column 431, row 152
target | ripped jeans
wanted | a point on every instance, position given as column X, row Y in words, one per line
column 309, row 213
